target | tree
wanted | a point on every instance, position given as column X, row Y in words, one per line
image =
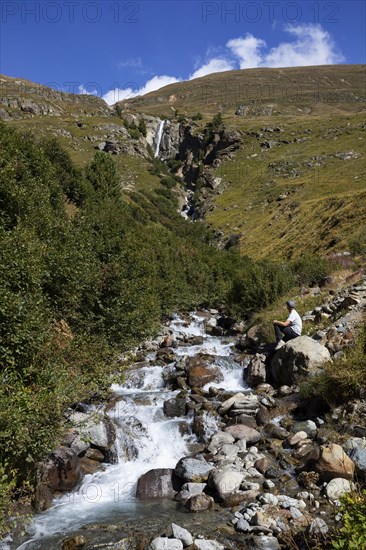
column 103, row 175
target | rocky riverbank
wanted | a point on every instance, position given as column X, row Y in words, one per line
column 261, row 466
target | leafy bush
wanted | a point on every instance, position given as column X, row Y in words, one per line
column 197, row 116
column 258, row 285
column 142, row 127
column 352, row 533
column 311, row 269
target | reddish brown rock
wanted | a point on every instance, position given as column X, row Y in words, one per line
column 157, row 483
column 199, row 503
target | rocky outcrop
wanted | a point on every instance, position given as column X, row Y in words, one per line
column 91, row 429
column 300, row 357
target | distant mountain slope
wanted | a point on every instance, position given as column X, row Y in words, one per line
column 284, row 174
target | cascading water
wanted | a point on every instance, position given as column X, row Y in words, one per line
column 146, row 439
column 158, row 137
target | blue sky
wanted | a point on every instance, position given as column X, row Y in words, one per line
column 121, row 48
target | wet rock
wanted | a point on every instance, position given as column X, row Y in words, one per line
column 254, row 337
column 182, row 534
column 226, row 482
column 337, row 487
column 297, row 358
column 74, row 543
column 240, row 402
column 156, row 483
column 268, row 498
column 167, row 341
column 255, row 373
column 235, row 499
column 199, row 376
column 162, row 543
column 89, row 466
column 239, row 431
column 192, row 469
column 92, row 429
column 175, row 407
column 199, row 503
column 261, row 465
column 62, row 471
column 245, row 420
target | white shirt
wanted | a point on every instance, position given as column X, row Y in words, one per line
column 295, row 322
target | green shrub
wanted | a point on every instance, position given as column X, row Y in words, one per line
column 102, row 173
column 352, row 533
column 310, row 269
column 142, row 127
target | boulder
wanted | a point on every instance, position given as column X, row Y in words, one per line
column 255, row 373
column 92, row 429
column 182, row 534
column 62, row 470
column 297, row 358
column 240, row 431
column 192, row 469
column 199, row 503
column 236, row 499
column 175, row 407
column 75, row 542
column 226, row 482
column 330, row 462
column 199, row 376
column 157, row 483
column 355, row 447
column 189, row 490
column 337, row 487
column 264, row 542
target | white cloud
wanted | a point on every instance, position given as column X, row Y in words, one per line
column 313, row 46
column 215, row 65
column 247, row 50
column 84, row 91
column 155, row 83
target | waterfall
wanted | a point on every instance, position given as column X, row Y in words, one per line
column 146, row 438
column 159, row 135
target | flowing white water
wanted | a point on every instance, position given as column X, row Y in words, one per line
column 158, row 137
column 146, row 439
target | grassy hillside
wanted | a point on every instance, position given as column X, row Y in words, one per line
column 298, row 179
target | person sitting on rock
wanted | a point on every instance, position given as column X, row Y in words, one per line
column 287, row 330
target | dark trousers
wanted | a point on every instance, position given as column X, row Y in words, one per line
column 284, row 333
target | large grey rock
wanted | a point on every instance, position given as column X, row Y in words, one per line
column 157, row 483
column 337, row 487
column 255, row 373
column 299, row 357
column 162, row 543
column 192, row 469
column 218, row 440
column 92, row 429
column 226, row 482
column 182, row 534
column 240, row 401
column 355, row 447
